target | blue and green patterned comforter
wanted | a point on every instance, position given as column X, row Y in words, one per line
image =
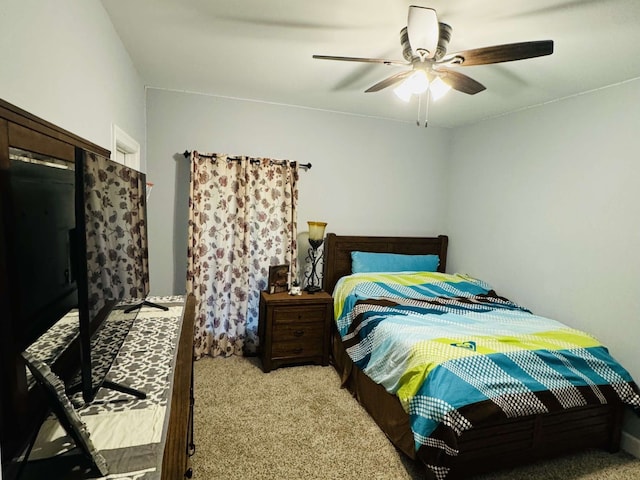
column 457, row 354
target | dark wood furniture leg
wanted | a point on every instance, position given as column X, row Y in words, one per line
column 175, row 462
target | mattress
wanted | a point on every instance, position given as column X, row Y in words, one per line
column 458, row 355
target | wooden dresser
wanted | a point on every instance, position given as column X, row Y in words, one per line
column 162, row 361
column 179, row 442
column 294, row 328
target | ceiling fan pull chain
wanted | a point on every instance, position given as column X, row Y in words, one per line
column 426, row 97
column 426, row 107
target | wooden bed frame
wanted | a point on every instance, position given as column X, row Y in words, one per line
column 485, row 447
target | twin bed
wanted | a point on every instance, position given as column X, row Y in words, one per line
column 503, row 387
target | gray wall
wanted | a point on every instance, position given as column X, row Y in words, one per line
column 63, row 62
column 369, row 176
column 544, row 205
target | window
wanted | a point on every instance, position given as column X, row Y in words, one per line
column 124, row 148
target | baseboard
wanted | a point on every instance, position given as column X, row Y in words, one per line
column 630, row 444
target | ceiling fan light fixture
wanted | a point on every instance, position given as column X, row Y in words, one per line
column 439, row 88
column 424, row 43
column 402, row 93
column 417, row 83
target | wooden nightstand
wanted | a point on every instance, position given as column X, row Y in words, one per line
column 294, row 328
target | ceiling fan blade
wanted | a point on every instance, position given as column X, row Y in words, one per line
column 365, row 60
column 501, row 53
column 423, row 31
column 387, row 82
column 460, row 82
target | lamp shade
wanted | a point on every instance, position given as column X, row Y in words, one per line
column 417, row 83
column 316, row 230
column 439, row 88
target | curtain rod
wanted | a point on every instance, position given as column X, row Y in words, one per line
column 304, row 166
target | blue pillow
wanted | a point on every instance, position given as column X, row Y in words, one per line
column 364, row 262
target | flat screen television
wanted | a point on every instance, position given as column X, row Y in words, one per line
column 38, row 284
column 114, row 269
column 39, row 242
column 76, row 237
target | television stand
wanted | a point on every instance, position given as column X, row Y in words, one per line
column 144, row 303
column 168, row 356
column 123, row 389
column 117, row 387
column 64, row 411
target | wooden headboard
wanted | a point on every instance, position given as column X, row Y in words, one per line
column 338, row 248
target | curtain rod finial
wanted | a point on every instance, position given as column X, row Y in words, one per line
column 187, row 154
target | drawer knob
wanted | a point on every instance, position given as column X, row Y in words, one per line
column 298, row 333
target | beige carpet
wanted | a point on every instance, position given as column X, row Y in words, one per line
column 296, row 423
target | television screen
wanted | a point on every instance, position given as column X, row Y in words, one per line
column 115, row 229
column 41, row 242
column 112, row 228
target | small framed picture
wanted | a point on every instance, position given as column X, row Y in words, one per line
column 278, row 278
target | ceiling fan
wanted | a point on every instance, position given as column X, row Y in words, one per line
column 424, row 47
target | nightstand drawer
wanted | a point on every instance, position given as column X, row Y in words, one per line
column 293, row 315
column 298, row 331
column 302, row 348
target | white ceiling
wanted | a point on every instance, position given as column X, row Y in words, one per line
column 261, row 50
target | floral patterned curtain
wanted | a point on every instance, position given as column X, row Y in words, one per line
column 114, row 207
column 242, row 219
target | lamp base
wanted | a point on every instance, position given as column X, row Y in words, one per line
column 312, row 289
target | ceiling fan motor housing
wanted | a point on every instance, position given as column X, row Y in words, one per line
column 444, row 37
column 407, row 51
column 443, row 40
